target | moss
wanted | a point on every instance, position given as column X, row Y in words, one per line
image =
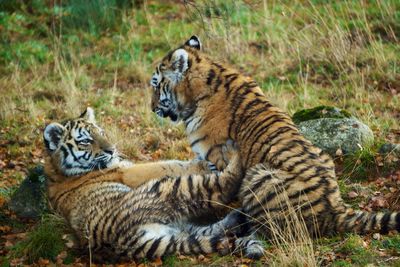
column 320, row 112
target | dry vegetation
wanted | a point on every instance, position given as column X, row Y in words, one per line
column 57, row 57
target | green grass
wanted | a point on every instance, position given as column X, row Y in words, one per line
column 358, row 254
column 354, row 250
column 361, row 165
column 45, row 241
column 367, row 163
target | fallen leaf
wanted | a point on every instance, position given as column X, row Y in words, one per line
column 2, row 164
column 339, row 152
column 70, row 242
column 376, row 236
column 182, row 257
column 16, row 262
column 378, row 202
column 8, row 244
column 247, row 260
column 43, row 262
column 157, row 262
column 352, row 194
column 5, row 228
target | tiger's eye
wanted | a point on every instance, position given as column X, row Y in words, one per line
column 85, row 142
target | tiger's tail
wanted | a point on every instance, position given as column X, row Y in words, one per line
column 363, row 222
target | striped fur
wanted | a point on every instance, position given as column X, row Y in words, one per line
column 146, row 221
column 217, row 103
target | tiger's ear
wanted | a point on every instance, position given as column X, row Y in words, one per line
column 194, row 42
column 52, row 136
column 88, row 114
column 179, row 60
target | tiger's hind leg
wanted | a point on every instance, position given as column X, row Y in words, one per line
column 237, row 227
column 157, row 240
column 249, row 246
column 230, row 225
column 260, row 199
column 280, row 206
column 246, row 242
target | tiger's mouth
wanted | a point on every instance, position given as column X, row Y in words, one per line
column 167, row 113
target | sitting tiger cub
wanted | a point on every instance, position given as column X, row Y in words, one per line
column 99, row 194
column 284, row 171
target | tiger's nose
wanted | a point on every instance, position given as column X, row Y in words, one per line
column 108, row 151
column 108, row 148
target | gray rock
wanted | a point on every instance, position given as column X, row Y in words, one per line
column 29, row 200
column 330, row 134
column 389, row 148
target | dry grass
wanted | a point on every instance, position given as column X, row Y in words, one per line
column 290, row 241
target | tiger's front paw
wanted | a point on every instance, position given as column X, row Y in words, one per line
column 249, row 247
column 203, row 166
column 230, row 152
column 236, row 223
column 224, row 246
column 232, row 155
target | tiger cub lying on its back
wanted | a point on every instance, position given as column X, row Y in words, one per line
column 89, row 185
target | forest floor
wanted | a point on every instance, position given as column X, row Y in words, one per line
column 55, row 60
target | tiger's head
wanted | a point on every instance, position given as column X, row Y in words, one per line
column 79, row 146
column 174, row 95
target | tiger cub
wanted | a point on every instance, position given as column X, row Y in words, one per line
column 95, row 189
column 217, row 103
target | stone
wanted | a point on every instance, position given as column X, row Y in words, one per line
column 331, row 134
column 389, row 148
column 29, row 200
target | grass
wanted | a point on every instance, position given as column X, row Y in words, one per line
column 54, row 62
column 44, row 241
column 361, row 165
column 358, row 254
